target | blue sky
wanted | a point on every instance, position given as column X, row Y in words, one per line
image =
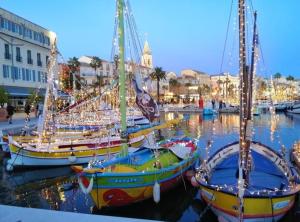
column 181, row 34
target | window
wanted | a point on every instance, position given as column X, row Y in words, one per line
column 33, row 75
column 6, row 52
column 18, row 56
column 39, row 76
column 23, row 74
column 39, row 61
column 28, row 75
column 29, row 59
column 47, row 59
column 5, row 71
column 14, row 73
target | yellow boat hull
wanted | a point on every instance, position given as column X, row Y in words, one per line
column 257, row 208
column 21, row 156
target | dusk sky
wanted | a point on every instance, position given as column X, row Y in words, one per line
column 181, row 34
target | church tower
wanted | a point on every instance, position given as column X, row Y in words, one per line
column 147, row 56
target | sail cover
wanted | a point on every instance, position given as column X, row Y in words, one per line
column 144, row 101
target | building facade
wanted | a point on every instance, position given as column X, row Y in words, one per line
column 25, row 50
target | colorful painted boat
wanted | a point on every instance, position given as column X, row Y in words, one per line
column 269, row 196
column 134, row 178
column 27, row 151
column 246, row 180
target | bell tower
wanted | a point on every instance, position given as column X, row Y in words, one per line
column 147, row 56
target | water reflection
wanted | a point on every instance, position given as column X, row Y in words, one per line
column 56, row 188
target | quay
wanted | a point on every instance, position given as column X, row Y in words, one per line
column 17, row 125
column 22, row 214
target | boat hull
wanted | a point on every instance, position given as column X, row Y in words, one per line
column 23, row 157
column 256, row 208
column 119, row 189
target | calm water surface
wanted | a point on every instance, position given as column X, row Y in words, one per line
column 56, row 188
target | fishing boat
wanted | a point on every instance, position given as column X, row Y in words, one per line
column 247, row 180
column 133, row 177
column 52, row 147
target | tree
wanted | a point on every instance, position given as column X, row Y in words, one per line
column 277, row 75
column 158, row 75
column 73, row 65
column 219, row 83
column 3, row 96
column 96, row 63
column 227, row 81
column 290, row 78
column 34, row 97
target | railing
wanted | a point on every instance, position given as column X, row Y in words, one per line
column 7, row 55
column 19, row 59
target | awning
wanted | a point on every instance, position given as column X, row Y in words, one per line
column 22, row 91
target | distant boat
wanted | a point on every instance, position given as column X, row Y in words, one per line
column 295, row 108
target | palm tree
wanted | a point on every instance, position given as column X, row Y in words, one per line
column 227, row 81
column 290, row 78
column 219, row 82
column 96, row 63
column 73, row 65
column 277, row 75
column 158, row 75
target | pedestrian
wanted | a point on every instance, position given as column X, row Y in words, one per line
column 213, row 103
column 36, row 110
column 10, row 112
column 220, row 104
column 27, row 110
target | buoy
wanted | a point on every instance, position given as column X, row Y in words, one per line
column 156, row 192
column 9, row 167
column 194, row 182
column 72, row 159
column 82, row 187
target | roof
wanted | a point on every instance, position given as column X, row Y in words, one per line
column 146, row 49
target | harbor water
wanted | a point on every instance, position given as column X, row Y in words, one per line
column 57, row 188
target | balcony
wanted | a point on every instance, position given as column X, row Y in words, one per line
column 19, row 58
column 7, row 55
column 29, row 61
column 39, row 63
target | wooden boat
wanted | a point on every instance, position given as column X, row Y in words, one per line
column 268, row 196
column 133, row 177
column 139, row 175
column 246, row 180
column 53, row 148
column 28, row 152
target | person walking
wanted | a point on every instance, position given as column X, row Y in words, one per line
column 10, row 112
column 27, row 110
column 213, row 103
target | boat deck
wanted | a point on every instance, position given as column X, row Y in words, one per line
column 264, row 176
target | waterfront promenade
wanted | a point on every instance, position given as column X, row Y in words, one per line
column 21, row 214
column 18, row 123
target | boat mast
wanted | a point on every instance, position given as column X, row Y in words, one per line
column 47, row 122
column 242, row 176
column 252, row 68
column 121, row 69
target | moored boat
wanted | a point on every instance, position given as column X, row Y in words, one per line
column 247, row 180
